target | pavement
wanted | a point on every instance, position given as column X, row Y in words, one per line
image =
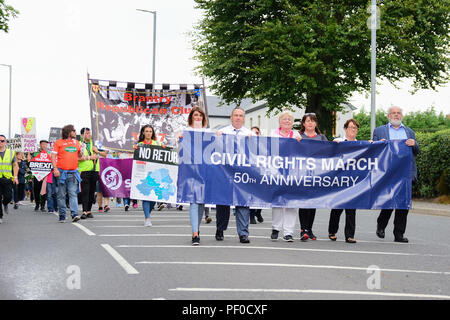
column 431, row 208
column 113, row 256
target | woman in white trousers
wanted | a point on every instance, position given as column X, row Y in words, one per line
column 283, row 219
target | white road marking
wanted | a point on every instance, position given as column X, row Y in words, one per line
column 245, row 247
column 120, row 260
column 286, row 265
column 86, row 230
column 370, row 293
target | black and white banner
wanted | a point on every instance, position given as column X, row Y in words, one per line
column 119, row 110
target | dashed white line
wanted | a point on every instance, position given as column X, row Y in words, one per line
column 86, row 230
column 120, row 260
column 370, row 293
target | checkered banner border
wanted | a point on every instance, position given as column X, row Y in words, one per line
column 146, row 86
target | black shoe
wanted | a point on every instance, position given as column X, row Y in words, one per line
column 402, row 239
column 16, row 206
column 219, row 235
column 83, row 216
column 311, row 235
column 304, row 235
column 244, row 239
column 274, row 235
column 36, row 208
column 288, row 238
column 252, row 221
column 195, row 241
column 127, row 207
column 75, row 219
column 208, row 219
column 89, row 215
column 260, row 219
column 380, row 233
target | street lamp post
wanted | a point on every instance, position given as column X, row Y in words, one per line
column 154, row 41
column 373, row 64
column 10, row 78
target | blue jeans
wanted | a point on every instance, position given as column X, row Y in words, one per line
column 70, row 186
column 196, row 214
column 52, row 196
column 148, row 207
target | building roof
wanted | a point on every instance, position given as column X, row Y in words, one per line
column 218, row 109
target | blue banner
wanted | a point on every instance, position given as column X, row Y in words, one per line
column 280, row 172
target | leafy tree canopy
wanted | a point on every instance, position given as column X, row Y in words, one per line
column 316, row 54
column 6, row 12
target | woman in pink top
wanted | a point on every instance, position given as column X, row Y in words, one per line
column 284, row 218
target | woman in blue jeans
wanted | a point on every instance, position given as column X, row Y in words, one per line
column 196, row 122
column 147, row 136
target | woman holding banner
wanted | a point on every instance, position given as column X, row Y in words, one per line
column 196, row 122
column 284, row 218
column 309, row 130
column 351, row 127
column 147, row 136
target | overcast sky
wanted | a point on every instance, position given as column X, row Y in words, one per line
column 52, row 44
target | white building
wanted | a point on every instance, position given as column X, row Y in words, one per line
column 256, row 115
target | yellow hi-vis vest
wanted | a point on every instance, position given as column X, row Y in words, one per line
column 88, row 165
column 6, row 165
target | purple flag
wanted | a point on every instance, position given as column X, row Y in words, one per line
column 115, row 177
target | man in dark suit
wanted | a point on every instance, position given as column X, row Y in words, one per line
column 395, row 130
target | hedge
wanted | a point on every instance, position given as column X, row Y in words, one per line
column 433, row 164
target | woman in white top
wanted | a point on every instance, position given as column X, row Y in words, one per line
column 284, row 218
column 196, row 121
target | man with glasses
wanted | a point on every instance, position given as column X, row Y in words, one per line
column 8, row 166
column 65, row 155
column 395, row 130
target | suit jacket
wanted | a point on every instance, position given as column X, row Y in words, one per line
column 382, row 132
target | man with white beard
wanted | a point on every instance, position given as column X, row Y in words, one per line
column 395, row 130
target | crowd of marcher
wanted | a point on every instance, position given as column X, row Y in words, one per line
column 74, row 179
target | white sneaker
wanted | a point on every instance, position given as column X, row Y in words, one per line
column 147, row 223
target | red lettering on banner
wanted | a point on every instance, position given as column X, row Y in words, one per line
column 128, row 97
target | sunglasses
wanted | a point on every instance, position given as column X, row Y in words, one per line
column 310, row 114
column 2, row 140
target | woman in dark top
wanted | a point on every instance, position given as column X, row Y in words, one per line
column 351, row 128
column 310, row 130
column 19, row 189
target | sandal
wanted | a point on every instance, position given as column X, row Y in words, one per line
column 350, row 240
column 332, row 236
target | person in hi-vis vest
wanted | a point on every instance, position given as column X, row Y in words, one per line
column 89, row 167
column 8, row 175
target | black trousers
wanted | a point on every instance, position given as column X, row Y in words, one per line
column 88, row 186
column 222, row 217
column 38, row 197
column 19, row 192
column 255, row 213
column 400, row 219
column 306, row 217
column 350, row 217
column 6, row 187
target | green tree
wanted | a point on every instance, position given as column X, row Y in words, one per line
column 6, row 12
column 420, row 121
column 363, row 119
column 315, row 54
